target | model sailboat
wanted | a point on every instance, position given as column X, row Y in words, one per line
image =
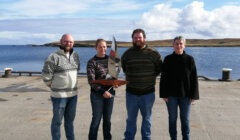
column 114, row 63
column 114, row 68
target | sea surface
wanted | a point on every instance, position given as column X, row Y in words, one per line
column 209, row 60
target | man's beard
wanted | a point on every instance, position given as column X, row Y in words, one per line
column 65, row 50
column 139, row 45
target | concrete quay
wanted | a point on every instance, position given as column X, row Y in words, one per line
column 26, row 111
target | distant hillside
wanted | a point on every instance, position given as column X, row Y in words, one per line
column 227, row 42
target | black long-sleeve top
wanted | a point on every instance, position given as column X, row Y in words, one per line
column 179, row 77
column 97, row 69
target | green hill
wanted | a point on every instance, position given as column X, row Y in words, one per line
column 226, row 42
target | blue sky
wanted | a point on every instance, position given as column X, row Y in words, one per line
column 38, row 22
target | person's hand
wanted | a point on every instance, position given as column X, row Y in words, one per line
column 115, row 86
column 107, row 94
column 192, row 100
column 165, row 99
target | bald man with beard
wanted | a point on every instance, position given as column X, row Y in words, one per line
column 60, row 74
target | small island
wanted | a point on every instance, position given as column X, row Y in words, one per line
column 225, row 42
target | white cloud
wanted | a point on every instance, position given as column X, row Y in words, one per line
column 161, row 16
column 192, row 21
column 24, row 9
column 20, row 32
column 161, row 22
column 11, row 35
column 23, row 38
column 35, row 8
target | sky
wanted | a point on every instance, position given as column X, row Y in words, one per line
column 38, row 22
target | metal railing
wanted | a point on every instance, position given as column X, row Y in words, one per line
column 31, row 73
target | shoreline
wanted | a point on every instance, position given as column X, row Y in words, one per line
column 91, row 46
column 222, row 42
column 119, row 46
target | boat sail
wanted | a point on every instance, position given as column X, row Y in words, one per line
column 114, row 63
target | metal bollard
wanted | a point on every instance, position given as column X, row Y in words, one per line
column 226, row 74
column 8, row 72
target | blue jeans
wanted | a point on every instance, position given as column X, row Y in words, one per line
column 101, row 107
column 184, row 106
column 63, row 107
column 133, row 104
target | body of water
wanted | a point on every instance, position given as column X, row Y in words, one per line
column 209, row 60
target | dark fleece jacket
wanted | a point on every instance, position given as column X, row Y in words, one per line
column 179, row 77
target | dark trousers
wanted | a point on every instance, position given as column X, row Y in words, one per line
column 101, row 107
column 184, row 106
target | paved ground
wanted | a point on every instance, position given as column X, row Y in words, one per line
column 25, row 112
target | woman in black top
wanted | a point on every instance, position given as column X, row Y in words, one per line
column 179, row 87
